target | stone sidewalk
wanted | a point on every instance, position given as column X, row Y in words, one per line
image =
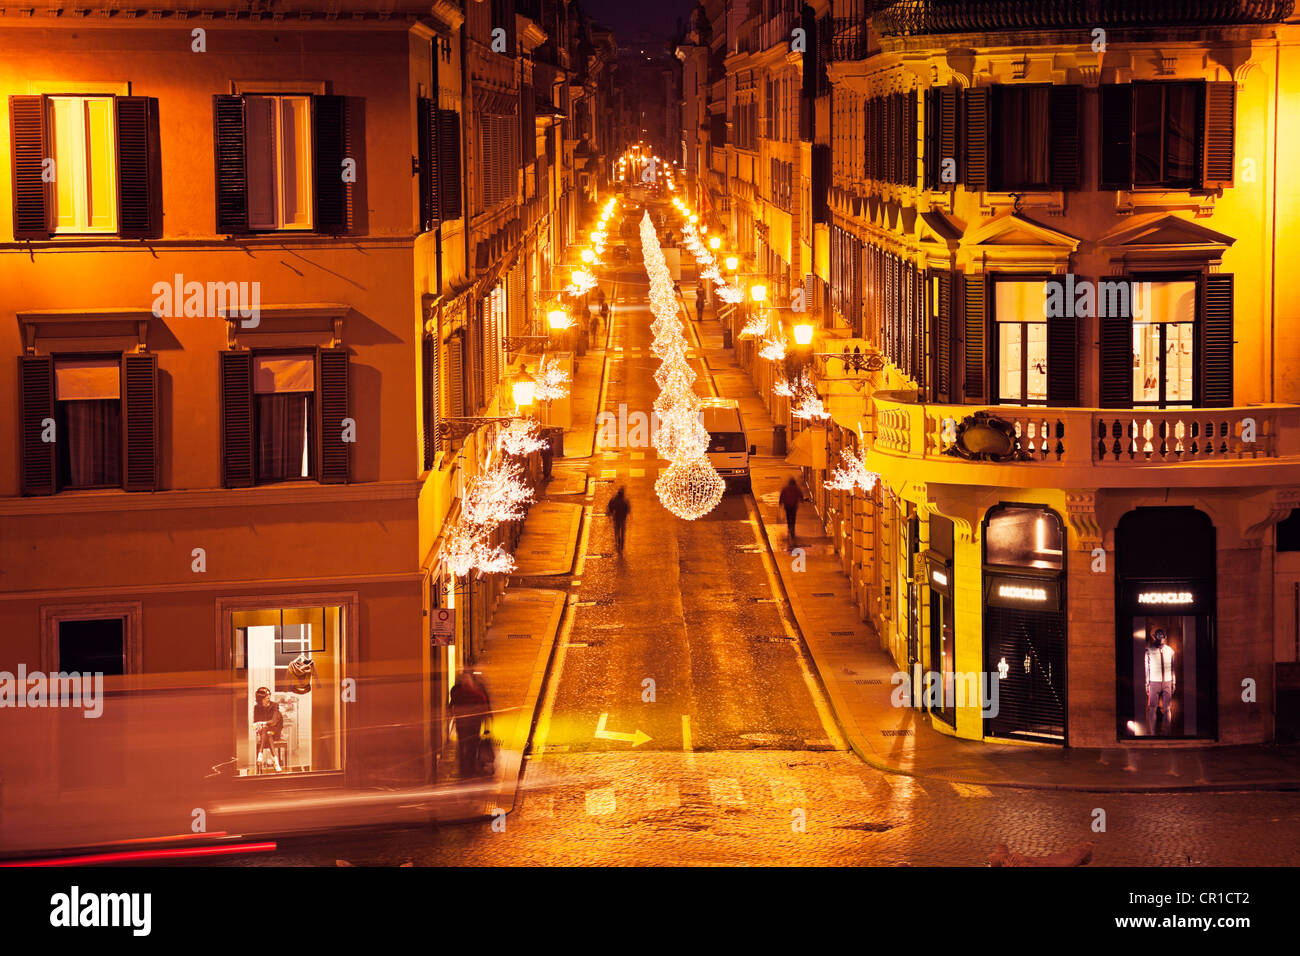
column 857, row 674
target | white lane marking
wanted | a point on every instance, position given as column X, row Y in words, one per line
column 726, row 791
column 601, row 802
column 819, row 701
column 609, row 473
column 637, row 455
column 787, row 791
column 969, row 790
column 686, row 732
column 636, row 473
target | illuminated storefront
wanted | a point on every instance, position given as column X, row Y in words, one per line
column 1165, row 656
column 1025, row 622
column 943, row 649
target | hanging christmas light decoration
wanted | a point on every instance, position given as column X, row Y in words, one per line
column 690, row 489
column 852, row 474
column 755, row 328
column 773, row 350
column 731, row 294
column 680, row 435
column 581, row 282
column 521, row 437
column 551, row 382
column 496, row 495
column 805, row 403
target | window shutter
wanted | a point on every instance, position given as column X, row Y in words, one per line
column 1217, row 147
column 973, row 315
column 333, row 209
column 1064, row 142
column 429, row 166
column 332, row 406
column 31, row 147
column 1116, row 369
column 236, row 419
column 36, row 396
column 476, row 359
column 947, row 135
column 232, row 174
column 430, row 379
column 456, row 374
column 977, row 138
column 1062, row 360
column 943, row 337
column 140, row 421
column 1116, row 122
column 910, row 125
column 1216, row 341
column 139, row 183
column 449, row 164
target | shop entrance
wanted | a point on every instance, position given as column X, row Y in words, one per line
column 1165, row 657
column 942, row 637
column 1024, row 622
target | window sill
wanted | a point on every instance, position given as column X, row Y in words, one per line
column 284, row 493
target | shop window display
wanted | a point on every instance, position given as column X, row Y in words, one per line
column 1164, row 667
column 287, row 664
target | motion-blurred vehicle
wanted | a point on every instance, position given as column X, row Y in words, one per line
column 729, row 447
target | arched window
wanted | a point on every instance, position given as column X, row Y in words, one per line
column 1024, row 536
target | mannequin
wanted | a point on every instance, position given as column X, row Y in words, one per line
column 1160, row 681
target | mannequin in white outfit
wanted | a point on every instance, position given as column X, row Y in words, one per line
column 1160, row 681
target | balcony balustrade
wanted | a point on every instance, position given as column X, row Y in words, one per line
column 913, row 17
column 1097, row 447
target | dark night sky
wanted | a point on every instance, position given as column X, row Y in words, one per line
column 629, row 18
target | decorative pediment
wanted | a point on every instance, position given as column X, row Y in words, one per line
column 935, row 227
column 1163, row 230
column 1013, row 229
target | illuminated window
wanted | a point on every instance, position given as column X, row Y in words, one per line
column 279, row 162
column 85, row 163
column 284, row 389
column 1164, row 343
column 294, row 725
column 1021, row 328
column 1024, row 537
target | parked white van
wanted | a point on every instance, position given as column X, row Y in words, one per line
column 729, row 447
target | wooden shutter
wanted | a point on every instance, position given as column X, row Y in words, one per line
column 943, row 336
column 1064, row 143
column 477, row 356
column 332, row 408
column 236, row 419
column 1115, row 170
column 36, row 400
column 231, row 164
column 976, row 129
column 974, row 324
column 910, row 125
column 427, row 145
column 1115, row 371
column 449, row 164
column 333, row 200
column 1216, row 341
column 456, row 374
column 139, row 179
column 30, row 139
column 947, row 111
column 140, row 421
column 429, row 379
column 1217, row 145
column 1062, row 360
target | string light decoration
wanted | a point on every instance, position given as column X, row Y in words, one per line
column 680, row 435
column 773, row 350
column 851, row 474
column 496, row 495
column 521, row 437
column 464, row 551
column 755, row 328
column 805, row 403
column 551, row 382
column 731, row 294
column 581, row 282
column 690, row 489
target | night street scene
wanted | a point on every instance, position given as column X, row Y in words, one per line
column 586, row 434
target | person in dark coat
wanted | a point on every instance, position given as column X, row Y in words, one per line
column 791, row 498
column 470, row 706
column 268, row 721
column 700, row 298
column 618, row 509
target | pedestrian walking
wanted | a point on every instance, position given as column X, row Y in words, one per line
column 604, row 314
column 470, row 708
column 618, row 509
column 700, row 298
column 791, row 498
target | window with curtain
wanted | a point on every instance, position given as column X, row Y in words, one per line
column 1020, row 327
column 1023, row 122
column 284, row 396
column 1164, row 343
column 1166, row 120
column 88, row 422
column 84, row 151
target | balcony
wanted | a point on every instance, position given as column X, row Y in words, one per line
column 913, row 17
column 1095, row 447
column 777, row 29
column 848, row 39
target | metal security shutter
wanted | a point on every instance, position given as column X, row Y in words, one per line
column 139, row 174
column 1216, row 341
column 1064, row 142
column 230, row 164
column 1217, row 147
column 1031, row 698
column 27, row 132
column 332, row 407
column 36, row 408
column 976, row 129
column 236, row 419
column 1062, row 360
column 333, row 210
column 973, row 324
column 140, row 421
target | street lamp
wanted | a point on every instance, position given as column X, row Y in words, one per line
column 803, row 333
column 524, row 387
column 758, row 293
column 558, row 320
column 714, row 243
column 733, row 263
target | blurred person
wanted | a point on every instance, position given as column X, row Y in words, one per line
column 700, row 298
column 470, row 707
column 618, row 509
column 268, row 723
column 791, row 498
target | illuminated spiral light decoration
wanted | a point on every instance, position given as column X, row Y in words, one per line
column 690, row 487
